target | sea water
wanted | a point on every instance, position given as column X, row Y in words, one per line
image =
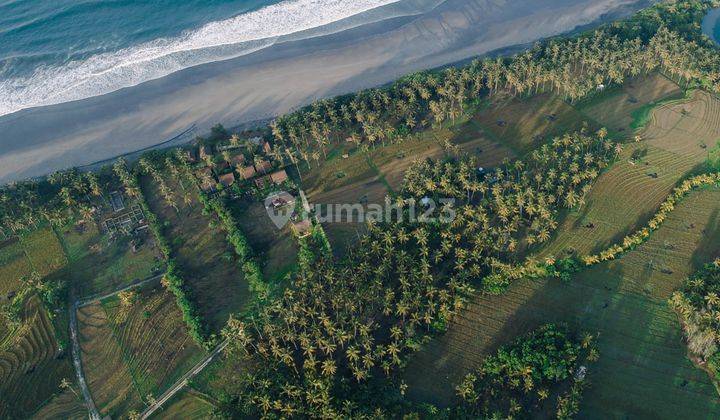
column 711, row 25
column 55, row 51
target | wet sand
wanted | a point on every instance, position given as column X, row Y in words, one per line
column 275, row 80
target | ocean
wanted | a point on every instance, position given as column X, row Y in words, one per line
column 711, row 25
column 58, row 51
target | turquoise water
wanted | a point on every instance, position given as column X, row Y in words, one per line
column 55, row 51
column 37, row 33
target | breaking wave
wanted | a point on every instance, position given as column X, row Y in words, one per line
column 220, row 40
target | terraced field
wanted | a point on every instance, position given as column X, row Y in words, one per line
column 207, row 262
column 131, row 353
column 625, row 196
column 66, row 405
column 621, row 108
column 107, row 376
column 643, row 369
column 99, row 265
column 31, row 359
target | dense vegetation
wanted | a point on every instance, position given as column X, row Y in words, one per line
column 544, row 371
column 698, row 306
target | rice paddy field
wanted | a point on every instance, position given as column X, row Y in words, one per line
column 643, row 370
column 33, row 357
column 623, row 109
column 66, row 405
column 207, row 262
column 630, row 191
column 133, row 354
column 33, row 353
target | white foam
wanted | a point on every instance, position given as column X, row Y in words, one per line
column 108, row 72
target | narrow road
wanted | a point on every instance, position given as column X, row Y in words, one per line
column 77, row 362
column 89, row 403
column 97, row 298
column 180, row 384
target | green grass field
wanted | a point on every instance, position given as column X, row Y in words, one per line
column 185, row 405
column 207, row 262
column 276, row 248
column 101, row 265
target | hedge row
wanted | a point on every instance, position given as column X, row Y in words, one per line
column 174, row 282
column 250, row 267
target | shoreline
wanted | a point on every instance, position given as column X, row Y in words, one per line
column 278, row 79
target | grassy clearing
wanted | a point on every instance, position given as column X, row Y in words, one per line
column 14, row 264
column 206, row 260
column 99, row 265
column 627, row 195
column 44, row 251
column 522, row 124
column 624, row 109
column 643, row 369
column 276, row 248
column 186, row 405
column 31, row 359
column 130, row 353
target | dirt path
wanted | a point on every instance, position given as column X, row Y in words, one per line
column 90, row 404
column 77, row 362
column 180, row 384
column 97, row 298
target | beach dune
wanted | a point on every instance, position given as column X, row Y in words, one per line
column 391, row 41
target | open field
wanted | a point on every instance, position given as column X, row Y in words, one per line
column 101, row 265
column 206, row 261
column 132, row 352
column 31, row 359
column 44, row 251
column 186, row 405
column 631, row 190
column 619, row 109
column 643, row 369
column 522, row 124
column 276, row 248
column 37, row 251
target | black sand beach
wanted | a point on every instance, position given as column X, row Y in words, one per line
column 418, row 34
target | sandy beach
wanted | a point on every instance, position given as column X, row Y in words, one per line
column 400, row 38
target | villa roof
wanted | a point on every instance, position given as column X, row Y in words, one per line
column 279, row 177
column 227, row 179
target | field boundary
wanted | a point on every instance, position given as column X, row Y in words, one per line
column 77, row 362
